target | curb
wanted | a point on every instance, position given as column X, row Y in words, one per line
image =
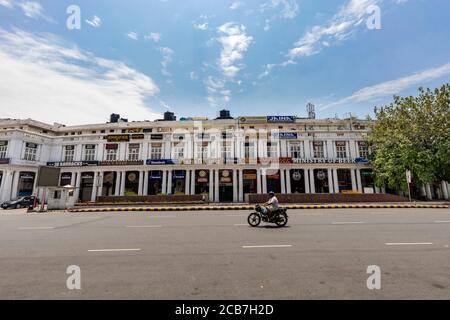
column 250, row 207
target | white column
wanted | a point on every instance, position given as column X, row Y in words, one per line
column 6, row 189
column 311, row 181
column 306, row 175
column 2, row 184
column 141, row 183
column 100, row 186
column 283, row 181
column 94, row 187
column 164, row 182
column 241, row 185
column 330, row 182
column 192, row 182
column 145, row 190
column 358, row 180
column 264, row 181
column 444, row 190
column 288, row 181
column 15, row 185
column 169, row 182
column 354, row 183
column 211, row 185
column 235, row 186
column 258, row 181
column 307, row 149
column 187, row 180
column 72, row 179
column 428, row 191
column 377, row 189
column 77, row 186
column 117, row 189
column 336, row 181
column 283, row 146
column 216, row 186
column 122, row 183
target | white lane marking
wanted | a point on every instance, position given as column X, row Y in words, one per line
column 112, row 250
column 36, row 228
column 269, row 246
column 407, row 243
column 348, row 222
column 154, row 226
column 240, row 224
column 441, row 221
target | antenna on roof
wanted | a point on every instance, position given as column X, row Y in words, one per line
column 311, row 109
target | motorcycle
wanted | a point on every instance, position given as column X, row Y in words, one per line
column 279, row 217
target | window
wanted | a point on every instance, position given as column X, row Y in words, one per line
column 341, row 150
column 295, row 150
column 226, row 151
column 30, row 151
column 69, row 153
column 133, row 152
column 363, row 149
column 202, row 150
column 178, row 151
column 156, row 151
column 3, row 149
column 89, row 152
column 272, row 150
column 318, row 150
column 111, row 155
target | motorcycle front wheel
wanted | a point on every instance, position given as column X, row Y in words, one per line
column 282, row 220
column 254, row 219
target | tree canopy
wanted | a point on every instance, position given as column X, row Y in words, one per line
column 413, row 133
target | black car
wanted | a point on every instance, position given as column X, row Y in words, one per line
column 22, row 202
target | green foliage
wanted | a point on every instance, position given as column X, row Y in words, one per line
column 413, row 133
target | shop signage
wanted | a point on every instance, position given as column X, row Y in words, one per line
column 5, row 161
column 132, row 177
column 155, row 175
column 3, row 143
column 273, row 176
column 318, row 143
column 155, row 162
column 323, row 160
column 178, row 136
column 118, row 138
column 266, row 161
column 249, row 176
column 72, row 164
column 111, row 146
column 25, row 175
column 296, row 175
column 281, row 119
column 134, row 146
column 179, row 174
column 286, row 135
column 340, row 143
column 89, row 146
column 225, row 176
column 156, row 136
column 137, row 137
column 134, row 130
column 285, row 160
column 361, row 160
column 202, row 176
column 31, row 145
column 66, row 175
column 122, row 163
column 252, row 119
column 321, row 175
column 69, row 147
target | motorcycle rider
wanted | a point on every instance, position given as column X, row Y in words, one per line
column 271, row 205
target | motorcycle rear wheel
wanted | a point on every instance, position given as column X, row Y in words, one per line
column 254, row 219
column 282, row 220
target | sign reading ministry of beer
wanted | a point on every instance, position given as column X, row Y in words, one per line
column 73, row 164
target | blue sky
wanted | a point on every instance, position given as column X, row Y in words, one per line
column 142, row 57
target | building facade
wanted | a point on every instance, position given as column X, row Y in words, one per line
column 224, row 159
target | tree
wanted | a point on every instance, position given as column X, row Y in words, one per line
column 413, row 133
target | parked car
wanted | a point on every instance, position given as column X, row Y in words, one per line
column 22, row 202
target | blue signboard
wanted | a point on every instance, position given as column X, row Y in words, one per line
column 156, row 162
column 361, row 160
column 155, row 175
column 283, row 119
column 286, row 135
column 179, row 174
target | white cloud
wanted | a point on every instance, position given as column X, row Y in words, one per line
column 286, row 9
column 339, row 28
column 154, row 36
column 393, row 86
column 193, row 75
column 132, row 35
column 201, row 26
column 95, row 22
column 6, row 3
column 234, row 43
column 267, row 70
column 34, row 10
column 166, row 61
column 44, row 78
column 235, row 5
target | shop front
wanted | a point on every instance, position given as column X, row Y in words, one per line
column 26, row 183
column 344, row 180
column 178, row 182
column 367, row 181
column 225, row 186
column 273, row 181
column 109, row 183
column 131, row 183
column 202, row 182
column 250, row 181
column 86, row 185
column 66, row 179
column 321, row 182
column 297, row 177
column 155, row 182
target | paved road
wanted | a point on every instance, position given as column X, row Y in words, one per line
column 322, row 254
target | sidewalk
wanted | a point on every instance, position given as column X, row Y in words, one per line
column 206, row 207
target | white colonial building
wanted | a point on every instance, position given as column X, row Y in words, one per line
column 224, row 159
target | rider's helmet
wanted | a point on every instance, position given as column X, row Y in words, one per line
column 271, row 193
